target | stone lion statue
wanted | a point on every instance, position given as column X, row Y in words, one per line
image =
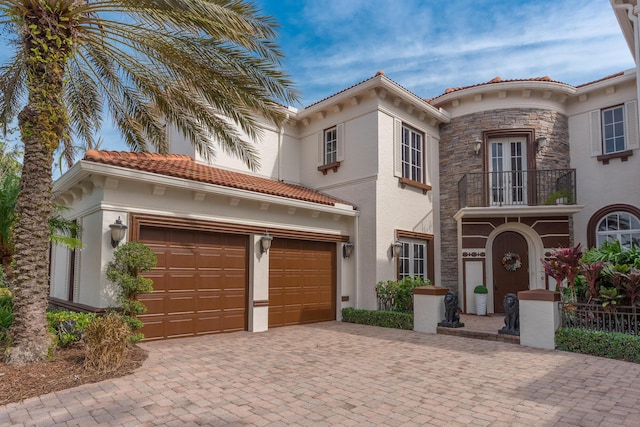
column 511, row 315
column 451, row 312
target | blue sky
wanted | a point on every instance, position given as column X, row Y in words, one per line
column 428, row 46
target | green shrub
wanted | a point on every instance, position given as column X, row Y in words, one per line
column 385, row 319
column 480, row 289
column 397, row 295
column 106, row 339
column 613, row 345
column 4, row 282
column 68, row 326
column 6, row 319
column 130, row 260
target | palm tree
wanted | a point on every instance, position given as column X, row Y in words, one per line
column 207, row 67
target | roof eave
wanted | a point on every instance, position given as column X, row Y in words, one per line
column 85, row 168
column 560, row 88
column 375, row 82
column 623, row 12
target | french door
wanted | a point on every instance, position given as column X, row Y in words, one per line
column 507, row 167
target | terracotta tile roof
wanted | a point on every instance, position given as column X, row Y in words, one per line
column 496, row 80
column 181, row 166
column 602, row 79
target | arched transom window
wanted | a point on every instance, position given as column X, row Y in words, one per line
column 622, row 226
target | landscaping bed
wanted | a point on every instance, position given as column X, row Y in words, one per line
column 64, row 371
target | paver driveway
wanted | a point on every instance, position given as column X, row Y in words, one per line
column 343, row 374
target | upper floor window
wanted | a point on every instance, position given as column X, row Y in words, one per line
column 412, row 154
column 613, row 130
column 330, row 148
column 621, row 226
column 330, row 145
column 409, row 156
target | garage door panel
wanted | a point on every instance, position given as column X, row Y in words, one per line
column 153, row 327
column 302, row 282
column 155, row 302
column 179, row 259
column 200, row 283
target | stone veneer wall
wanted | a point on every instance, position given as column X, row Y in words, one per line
column 457, row 158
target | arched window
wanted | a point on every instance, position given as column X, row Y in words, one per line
column 619, row 222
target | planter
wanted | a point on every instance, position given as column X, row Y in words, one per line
column 481, row 304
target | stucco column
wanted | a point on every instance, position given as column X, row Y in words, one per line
column 428, row 308
column 258, row 287
column 539, row 318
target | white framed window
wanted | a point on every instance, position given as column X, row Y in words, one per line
column 330, row 148
column 621, row 226
column 613, row 139
column 614, row 131
column 330, row 145
column 507, row 167
column 412, row 147
column 413, row 259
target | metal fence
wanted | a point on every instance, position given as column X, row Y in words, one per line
column 523, row 187
column 594, row 317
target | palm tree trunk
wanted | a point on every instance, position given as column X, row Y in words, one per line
column 42, row 123
column 31, row 276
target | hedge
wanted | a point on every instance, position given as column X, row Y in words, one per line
column 385, row 319
column 613, row 345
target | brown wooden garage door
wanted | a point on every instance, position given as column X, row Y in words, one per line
column 199, row 285
column 302, row 282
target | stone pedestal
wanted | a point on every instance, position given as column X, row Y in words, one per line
column 539, row 318
column 428, row 308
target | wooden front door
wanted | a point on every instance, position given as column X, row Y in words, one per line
column 508, row 276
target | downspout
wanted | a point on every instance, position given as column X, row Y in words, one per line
column 356, row 242
column 632, row 13
column 280, row 140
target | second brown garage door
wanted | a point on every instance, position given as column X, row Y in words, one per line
column 199, row 285
column 302, row 282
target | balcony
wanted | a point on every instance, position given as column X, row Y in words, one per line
column 517, row 188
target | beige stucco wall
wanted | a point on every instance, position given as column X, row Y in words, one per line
column 600, row 185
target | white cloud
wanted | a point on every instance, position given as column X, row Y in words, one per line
column 428, row 46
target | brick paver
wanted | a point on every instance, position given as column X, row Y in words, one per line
column 344, row 374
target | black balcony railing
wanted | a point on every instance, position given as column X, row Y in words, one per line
column 517, row 188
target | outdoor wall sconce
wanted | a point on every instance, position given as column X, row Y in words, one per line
column 118, row 230
column 541, row 142
column 396, row 247
column 265, row 242
column 347, row 249
column 477, row 145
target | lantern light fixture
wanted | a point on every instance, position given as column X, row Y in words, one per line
column 118, row 231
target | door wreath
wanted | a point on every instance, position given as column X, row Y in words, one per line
column 511, row 261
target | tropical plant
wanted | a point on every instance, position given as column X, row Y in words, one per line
column 206, row 67
column 609, row 298
column 614, row 253
column 591, row 274
column 129, row 261
column 564, row 265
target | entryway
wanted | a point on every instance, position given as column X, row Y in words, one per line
column 510, row 266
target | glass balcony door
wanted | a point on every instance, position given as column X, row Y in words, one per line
column 507, row 167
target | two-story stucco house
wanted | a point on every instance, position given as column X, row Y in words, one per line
column 473, row 186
